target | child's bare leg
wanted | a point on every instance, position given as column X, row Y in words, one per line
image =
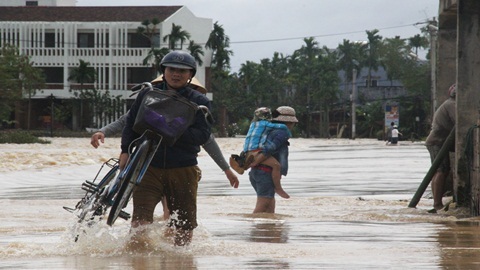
column 276, row 176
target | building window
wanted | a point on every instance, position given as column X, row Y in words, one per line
column 138, row 75
column 85, row 40
column 49, row 40
column 373, row 83
column 138, row 41
column 53, row 74
column 53, row 40
column 31, row 3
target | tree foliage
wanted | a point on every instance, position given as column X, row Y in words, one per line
column 176, row 35
column 309, row 81
column 18, row 78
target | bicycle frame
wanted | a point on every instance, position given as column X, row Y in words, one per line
column 134, row 171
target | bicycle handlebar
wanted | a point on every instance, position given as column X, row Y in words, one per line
column 141, row 86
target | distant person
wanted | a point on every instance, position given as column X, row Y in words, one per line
column 443, row 122
column 255, row 140
column 276, row 145
column 395, row 133
column 389, row 132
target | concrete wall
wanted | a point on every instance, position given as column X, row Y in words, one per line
column 468, row 80
column 458, row 59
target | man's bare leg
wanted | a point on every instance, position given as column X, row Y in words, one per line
column 438, row 182
column 264, row 205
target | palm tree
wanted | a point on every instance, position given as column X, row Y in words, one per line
column 373, row 59
column 350, row 58
column 196, row 51
column 394, row 54
column 177, row 34
column 418, row 41
column 149, row 30
column 84, row 73
column 219, row 43
column 157, row 56
column 308, row 54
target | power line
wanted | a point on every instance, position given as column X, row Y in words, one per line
column 320, row 36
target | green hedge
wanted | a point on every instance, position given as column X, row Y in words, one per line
column 19, row 137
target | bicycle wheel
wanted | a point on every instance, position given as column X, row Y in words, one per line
column 91, row 205
column 132, row 172
column 92, row 201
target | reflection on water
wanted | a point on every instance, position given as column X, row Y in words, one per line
column 460, row 245
column 269, row 231
column 348, row 210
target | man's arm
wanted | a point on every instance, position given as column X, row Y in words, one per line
column 107, row 131
column 213, row 150
column 114, row 127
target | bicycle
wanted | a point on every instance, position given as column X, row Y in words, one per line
column 115, row 195
column 140, row 158
column 98, row 197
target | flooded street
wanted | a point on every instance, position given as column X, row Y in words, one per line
column 348, row 210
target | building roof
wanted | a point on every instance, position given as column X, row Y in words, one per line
column 86, row 14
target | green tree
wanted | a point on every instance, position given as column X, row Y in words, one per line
column 394, row 54
column 176, row 35
column 32, row 80
column 82, row 74
column 103, row 105
column 196, row 51
column 307, row 66
column 9, row 83
column 157, row 56
column 219, row 43
column 418, row 41
column 373, row 57
column 18, row 77
column 149, row 29
column 350, row 58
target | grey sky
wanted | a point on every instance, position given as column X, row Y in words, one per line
column 258, row 28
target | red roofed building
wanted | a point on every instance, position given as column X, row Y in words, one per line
column 57, row 35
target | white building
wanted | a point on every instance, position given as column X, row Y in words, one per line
column 57, row 35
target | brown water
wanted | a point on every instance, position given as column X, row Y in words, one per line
column 348, row 211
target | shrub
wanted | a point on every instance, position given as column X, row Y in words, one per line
column 19, row 137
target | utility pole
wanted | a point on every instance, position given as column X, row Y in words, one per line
column 52, row 114
column 353, row 99
column 433, row 29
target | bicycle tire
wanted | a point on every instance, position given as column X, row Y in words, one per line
column 130, row 180
column 94, row 201
column 92, row 204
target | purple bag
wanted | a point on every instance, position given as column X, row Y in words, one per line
column 166, row 113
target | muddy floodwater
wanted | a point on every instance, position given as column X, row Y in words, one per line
column 348, row 210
